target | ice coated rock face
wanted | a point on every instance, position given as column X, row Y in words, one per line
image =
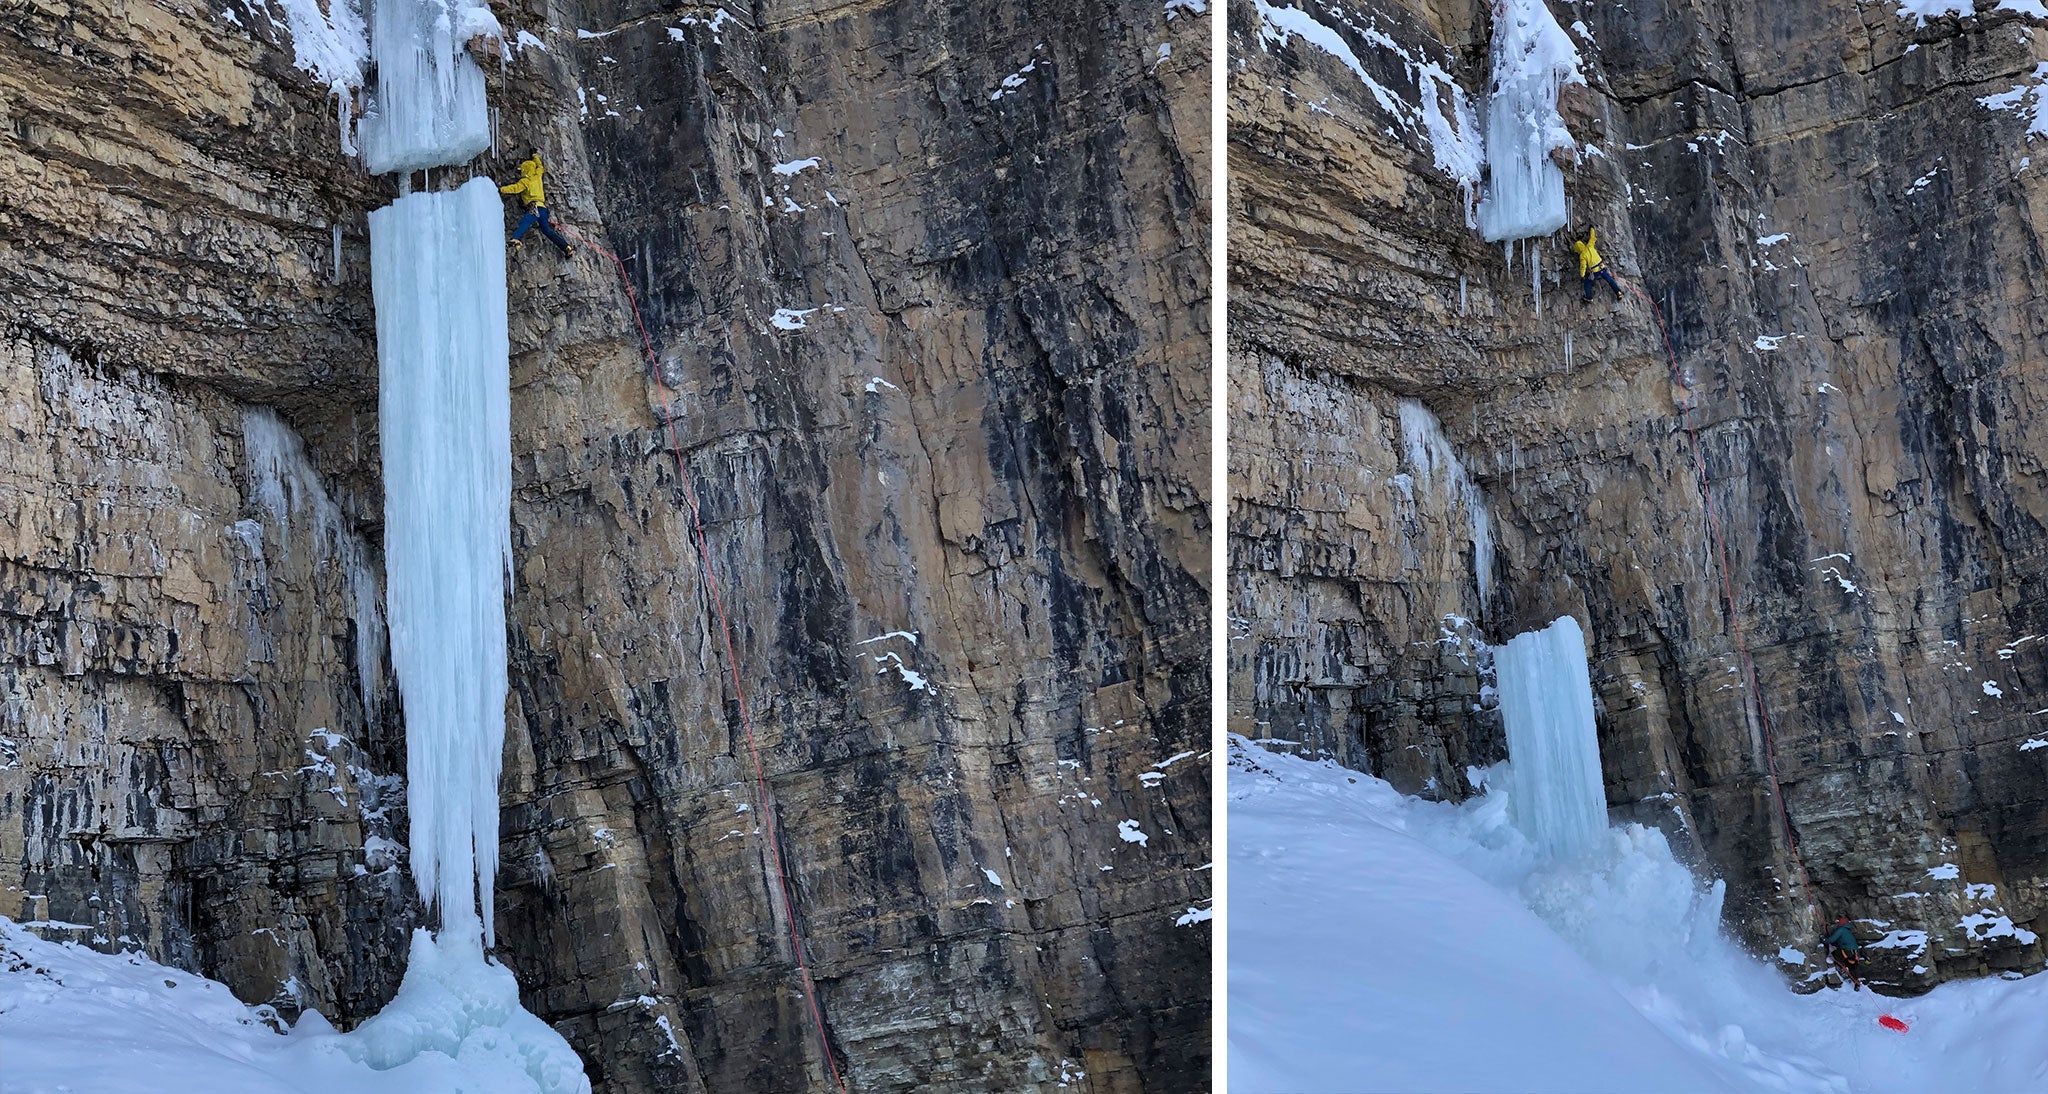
column 1864, row 205
column 997, row 447
column 1433, row 468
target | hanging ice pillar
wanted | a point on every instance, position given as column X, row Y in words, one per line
column 1546, row 701
column 1532, row 59
column 438, row 277
column 428, row 106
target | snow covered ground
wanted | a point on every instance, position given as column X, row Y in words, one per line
column 1382, row 943
column 72, row 1019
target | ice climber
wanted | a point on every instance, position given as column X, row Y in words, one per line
column 1592, row 266
column 529, row 189
column 1842, row 947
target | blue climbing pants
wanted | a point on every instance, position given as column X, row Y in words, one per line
column 539, row 215
column 1596, row 275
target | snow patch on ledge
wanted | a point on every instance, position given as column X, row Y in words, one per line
column 1920, row 11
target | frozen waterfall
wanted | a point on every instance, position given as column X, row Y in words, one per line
column 438, row 273
column 1546, row 701
column 1532, row 59
column 428, row 107
column 437, row 268
column 437, row 277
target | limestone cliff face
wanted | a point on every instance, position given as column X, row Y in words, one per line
column 929, row 285
column 1847, row 243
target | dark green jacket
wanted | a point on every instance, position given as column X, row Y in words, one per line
column 1842, row 938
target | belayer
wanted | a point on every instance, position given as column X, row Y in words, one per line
column 1843, row 949
column 1592, row 266
column 529, row 189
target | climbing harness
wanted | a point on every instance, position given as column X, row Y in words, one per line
column 768, row 828
column 1734, row 617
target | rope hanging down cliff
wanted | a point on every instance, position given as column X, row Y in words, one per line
column 767, row 812
column 1763, row 712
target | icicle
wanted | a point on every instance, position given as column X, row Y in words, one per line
column 1461, row 295
column 1568, row 362
column 1536, row 275
column 1546, row 700
column 345, row 115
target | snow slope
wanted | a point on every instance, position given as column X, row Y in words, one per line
column 72, row 1019
column 1382, row 943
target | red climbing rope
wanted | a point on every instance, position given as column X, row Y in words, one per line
column 1734, row 617
column 675, row 447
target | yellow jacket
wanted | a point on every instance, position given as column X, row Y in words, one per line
column 528, row 187
column 1590, row 261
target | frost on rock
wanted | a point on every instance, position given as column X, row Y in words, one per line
column 332, row 45
column 1434, row 464
column 438, row 279
column 284, row 484
column 428, row 107
column 1532, row 59
column 1455, row 140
